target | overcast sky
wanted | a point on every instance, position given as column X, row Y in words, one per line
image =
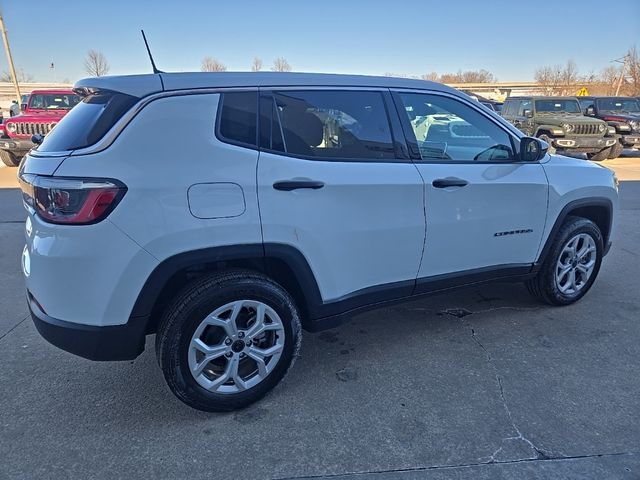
column 509, row 38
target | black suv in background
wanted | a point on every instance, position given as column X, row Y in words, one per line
column 622, row 113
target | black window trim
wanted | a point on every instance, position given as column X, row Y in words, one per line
column 413, row 146
column 230, row 141
column 397, row 137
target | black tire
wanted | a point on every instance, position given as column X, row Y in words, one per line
column 616, row 150
column 599, row 156
column 544, row 286
column 9, row 159
column 546, row 138
column 189, row 309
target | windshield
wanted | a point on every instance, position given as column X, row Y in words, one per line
column 626, row 105
column 53, row 101
column 558, row 106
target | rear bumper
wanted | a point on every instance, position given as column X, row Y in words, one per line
column 16, row 146
column 117, row 342
column 586, row 144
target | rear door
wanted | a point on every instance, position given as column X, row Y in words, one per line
column 485, row 210
column 334, row 185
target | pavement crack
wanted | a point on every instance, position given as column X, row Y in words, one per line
column 514, row 444
column 14, row 327
column 461, row 465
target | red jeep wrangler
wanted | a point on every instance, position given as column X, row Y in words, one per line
column 43, row 112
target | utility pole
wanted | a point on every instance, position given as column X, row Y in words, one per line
column 622, row 72
column 10, row 59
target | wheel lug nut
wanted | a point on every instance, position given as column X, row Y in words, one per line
column 227, row 341
column 228, row 354
column 248, row 343
column 242, row 355
column 240, row 334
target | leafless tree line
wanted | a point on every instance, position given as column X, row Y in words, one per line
column 621, row 79
column 210, row 64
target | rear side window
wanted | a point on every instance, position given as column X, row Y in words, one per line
column 333, row 124
column 237, row 118
column 87, row 122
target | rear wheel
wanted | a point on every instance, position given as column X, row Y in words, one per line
column 616, row 150
column 572, row 264
column 599, row 156
column 546, row 138
column 227, row 340
column 9, row 159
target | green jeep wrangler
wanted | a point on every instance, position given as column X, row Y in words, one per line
column 559, row 122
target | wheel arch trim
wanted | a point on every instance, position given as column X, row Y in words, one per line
column 582, row 203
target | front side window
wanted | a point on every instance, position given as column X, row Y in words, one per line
column 524, row 105
column 238, row 121
column 448, row 130
column 51, row 101
column 332, row 124
column 557, row 106
column 585, row 103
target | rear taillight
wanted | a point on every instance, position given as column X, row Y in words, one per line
column 71, row 201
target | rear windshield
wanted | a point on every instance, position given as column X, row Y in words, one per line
column 87, row 122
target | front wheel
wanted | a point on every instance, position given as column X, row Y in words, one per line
column 616, row 150
column 9, row 159
column 227, row 340
column 599, row 156
column 571, row 265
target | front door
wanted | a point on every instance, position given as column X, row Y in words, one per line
column 331, row 185
column 485, row 210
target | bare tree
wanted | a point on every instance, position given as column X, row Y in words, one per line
column 469, row 76
column 95, row 64
column 559, row 80
column 433, row 76
column 633, row 70
column 210, row 64
column 281, row 65
column 256, row 66
column 22, row 77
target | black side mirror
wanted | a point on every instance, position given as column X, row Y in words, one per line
column 527, row 113
column 590, row 111
column 532, row 149
column 37, row 138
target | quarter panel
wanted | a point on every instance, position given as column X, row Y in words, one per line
column 168, row 147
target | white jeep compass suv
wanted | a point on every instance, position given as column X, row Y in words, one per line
column 224, row 212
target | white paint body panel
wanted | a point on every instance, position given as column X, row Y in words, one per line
column 365, row 227
column 93, row 274
column 462, row 221
column 573, row 179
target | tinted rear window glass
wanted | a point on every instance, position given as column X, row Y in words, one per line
column 87, row 122
column 238, row 117
column 335, row 124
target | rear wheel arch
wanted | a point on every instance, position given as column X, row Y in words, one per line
column 282, row 263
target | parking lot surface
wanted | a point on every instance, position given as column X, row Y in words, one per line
column 483, row 383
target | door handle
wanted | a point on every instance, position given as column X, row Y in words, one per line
column 289, row 185
column 449, row 182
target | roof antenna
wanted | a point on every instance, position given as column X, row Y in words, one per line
column 153, row 64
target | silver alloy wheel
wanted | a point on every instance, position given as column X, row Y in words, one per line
column 236, row 346
column 576, row 263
